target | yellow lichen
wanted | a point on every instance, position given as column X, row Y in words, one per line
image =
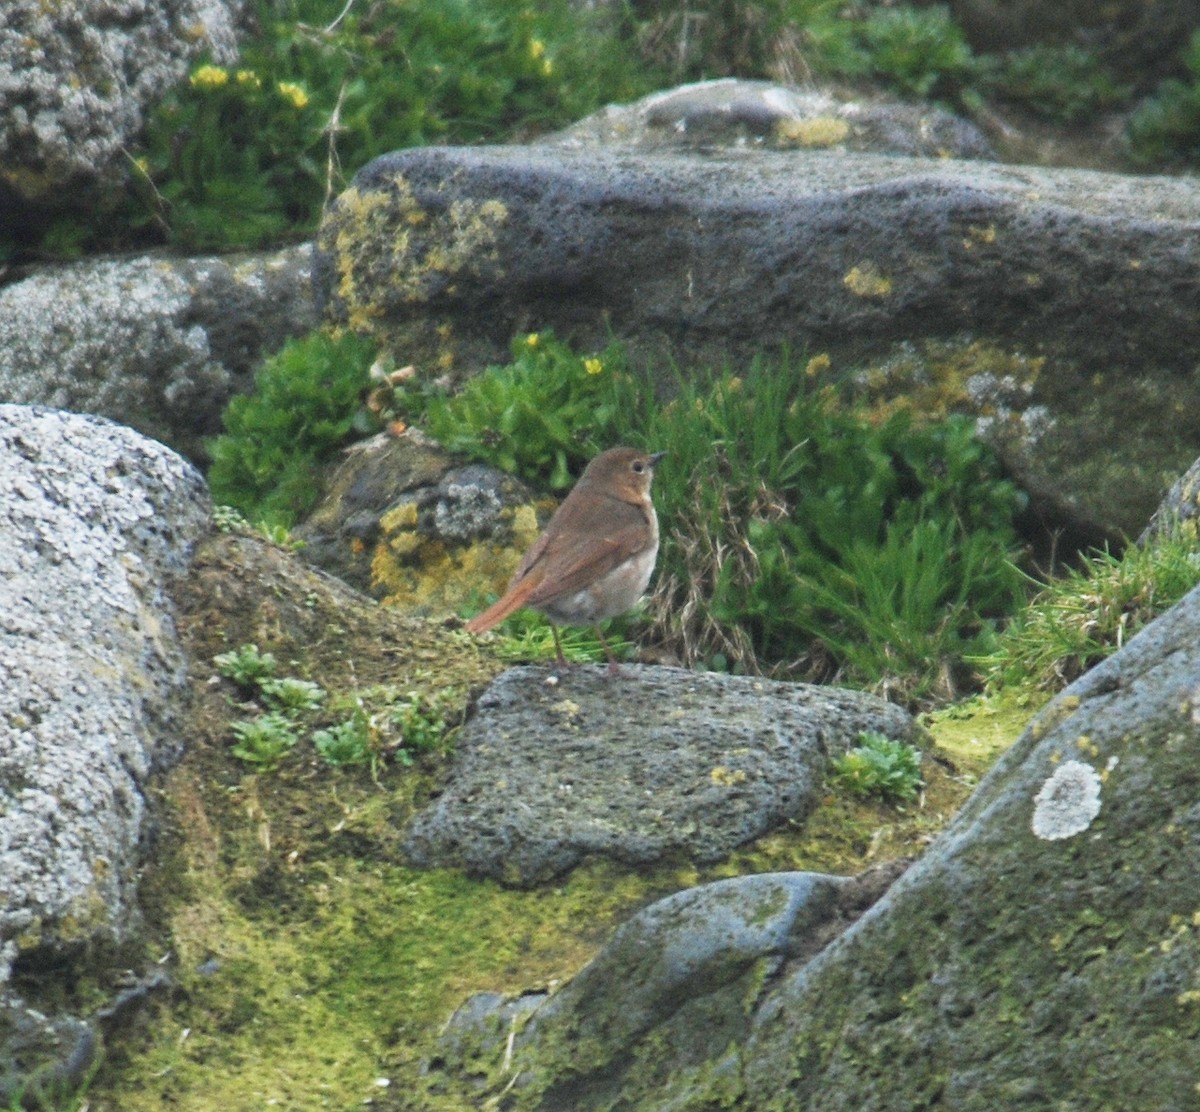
column 867, row 280
column 822, row 131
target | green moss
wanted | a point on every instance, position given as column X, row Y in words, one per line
column 310, row 961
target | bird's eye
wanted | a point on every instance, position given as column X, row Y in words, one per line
column 638, row 466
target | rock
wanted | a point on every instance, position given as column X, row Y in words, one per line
column 676, row 977
column 96, row 520
column 730, row 112
column 79, row 77
column 403, row 521
column 160, row 344
column 661, row 763
column 1044, row 952
column 1083, row 281
column 1180, row 507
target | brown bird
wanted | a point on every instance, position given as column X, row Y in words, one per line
column 594, row 559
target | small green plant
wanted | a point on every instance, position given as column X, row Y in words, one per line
column 542, row 416
column 1166, row 127
column 879, row 766
column 526, row 637
column 421, row 722
column 1059, row 82
column 246, row 666
column 347, row 743
column 262, row 741
column 921, row 51
column 292, row 695
column 1077, row 620
column 304, row 407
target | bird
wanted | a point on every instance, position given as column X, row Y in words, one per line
column 594, row 559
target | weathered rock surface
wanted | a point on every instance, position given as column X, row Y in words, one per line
column 78, row 78
column 405, row 522
column 1094, row 277
column 683, row 969
column 1180, row 507
column 96, row 519
column 730, row 113
column 159, row 344
column 668, row 764
column 1043, row 953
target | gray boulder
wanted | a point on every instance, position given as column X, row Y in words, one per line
column 554, row 768
column 674, row 982
column 95, row 521
column 78, row 78
column 1043, row 953
column 1085, row 280
column 160, row 344
column 730, row 112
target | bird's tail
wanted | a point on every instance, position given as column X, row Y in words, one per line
column 502, row 607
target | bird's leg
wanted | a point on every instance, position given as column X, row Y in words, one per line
column 614, row 669
column 562, row 660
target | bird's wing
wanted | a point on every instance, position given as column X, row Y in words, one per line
column 567, row 557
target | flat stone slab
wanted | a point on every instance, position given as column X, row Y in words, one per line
column 657, row 764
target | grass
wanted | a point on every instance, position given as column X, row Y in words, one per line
column 1085, row 615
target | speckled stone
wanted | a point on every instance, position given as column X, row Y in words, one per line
column 660, row 763
column 93, row 520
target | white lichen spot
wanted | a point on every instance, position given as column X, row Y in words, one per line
column 1067, row 802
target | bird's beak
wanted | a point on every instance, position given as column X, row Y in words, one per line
column 655, row 457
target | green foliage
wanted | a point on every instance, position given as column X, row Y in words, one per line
column 262, row 741
column 246, row 666
column 1166, row 127
column 921, row 51
column 358, row 729
column 1063, row 83
column 526, row 637
column 1079, row 619
column 802, row 539
column 828, row 544
column 421, row 722
column 346, row 743
column 879, row 767
column 246, row 156
column 542, row 416
column 304, row 407
column 290, row 694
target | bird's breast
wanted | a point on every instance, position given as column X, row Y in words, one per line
column 611, row 594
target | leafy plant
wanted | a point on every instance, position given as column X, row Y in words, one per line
column 1166, row 126
column 802, row 539
column 292, row 695
column 879, row 766
column 1077, row 620
column 245, row 665
column 526, row 636
column 922, row 51
column 262, row 741
column 304, row 407
column 346, row 743
column 244, row 156
column 1060, row 82
column 422, row 724
column 542, row 416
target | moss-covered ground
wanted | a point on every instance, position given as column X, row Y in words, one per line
column 310, row 967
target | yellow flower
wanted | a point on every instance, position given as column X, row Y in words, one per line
column 249, row 77
column 817, row 364
column 209, row 77
column 536, row 48
column 289, row 90
column 547, row 67
column 593, row 366
column 532, row 340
